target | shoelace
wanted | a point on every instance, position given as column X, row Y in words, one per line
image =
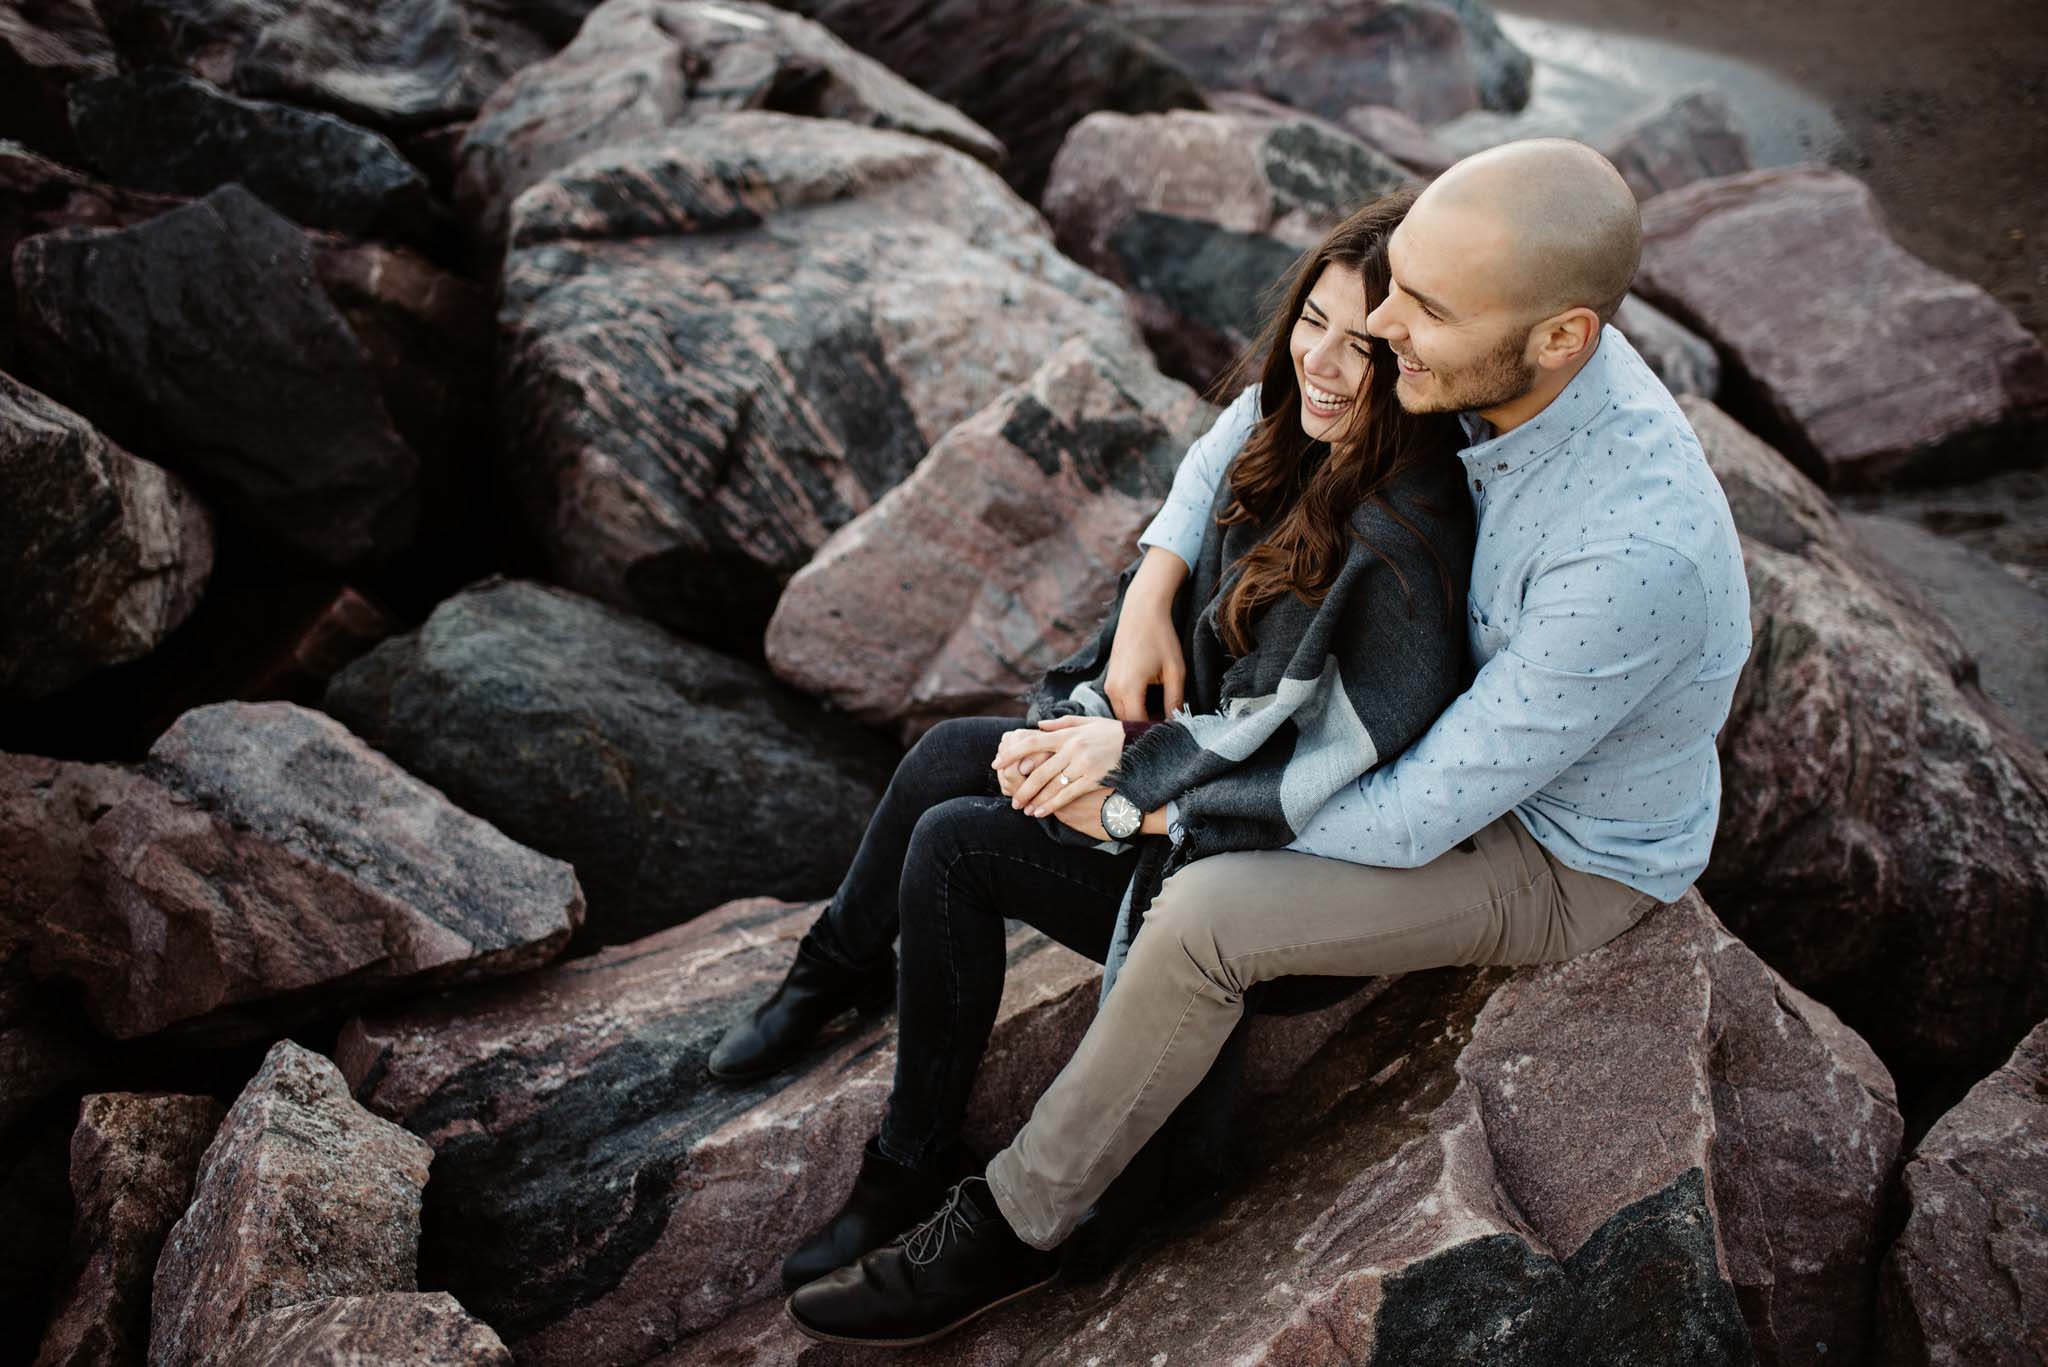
column 926, row 1242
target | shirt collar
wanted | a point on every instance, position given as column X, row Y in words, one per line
column 1590, row 392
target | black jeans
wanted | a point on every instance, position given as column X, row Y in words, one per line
column 944, row 861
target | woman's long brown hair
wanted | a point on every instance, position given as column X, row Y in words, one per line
column 1303, row 488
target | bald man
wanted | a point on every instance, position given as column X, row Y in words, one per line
column 1572, row 787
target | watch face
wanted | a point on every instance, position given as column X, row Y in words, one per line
column 1120, row 816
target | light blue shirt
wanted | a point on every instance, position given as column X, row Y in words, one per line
column 1608, row 618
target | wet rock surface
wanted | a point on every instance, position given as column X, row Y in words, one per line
column 638, row 66
column 1794, row 277
column 272, row 864
column 1967, row 1278
column 993, row 560
column 302, row 1194
column 1464, row 1169
column 1884, row 832
column 720, row 344
column 104, row 554
column 670, row 776
column 133, row 1160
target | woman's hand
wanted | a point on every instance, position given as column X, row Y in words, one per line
column 1081, row 750
column 1145, row 649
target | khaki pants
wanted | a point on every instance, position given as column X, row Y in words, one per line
column 1225, row 922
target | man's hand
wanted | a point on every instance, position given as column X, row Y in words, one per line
column 1145, row 649
column 1086, row 817
column 1082, row 750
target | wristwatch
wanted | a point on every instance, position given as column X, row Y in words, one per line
column 1120, row 816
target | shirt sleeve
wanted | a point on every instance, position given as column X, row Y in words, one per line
column 1179, row 524
column 1599, row 629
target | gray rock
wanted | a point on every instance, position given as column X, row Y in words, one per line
column 160, row 129
column 44, row 49
column 667, row 774
column 1692, row 136
column 104, row 555
column 1681, row 358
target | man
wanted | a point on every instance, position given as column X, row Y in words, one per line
column 1573, row 786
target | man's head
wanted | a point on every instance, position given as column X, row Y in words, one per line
column 1504, row 272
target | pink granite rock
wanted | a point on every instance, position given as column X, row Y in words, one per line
column 1681, row 358
column 1691, row 136
column 1884, row 827
column 302, row 1194
column 597, row 1196
column 390, row 1329
column 1658, row 1153
column 1394, row 135
column 722, row 342
column 105, row 555
column 133, row 1160
column 274, row 866
column 946, row 599
column 638, row 66
column 1967, row 1279
column 1864, row 363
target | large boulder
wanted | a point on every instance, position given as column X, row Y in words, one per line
column 618, row 1198
column 1690, row 136
column 947, row 598
column 1659, row 1152
column 1680, row 357
column 302, row 1194
column 1857, row 359
column 1430, row 59
column 1197, row 213
column 133, row 1160
column 639, row 66
column 1026, row 70
column 44, row 49
column 1884, row 827
column 104, row 555
column 203, row 340
column 667, row 774
column 273, row 865
column 161, row 129
column 720, row 343
column 1967, row 1278
column 392, row 65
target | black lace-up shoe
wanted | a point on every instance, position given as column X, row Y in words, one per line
column 813, row 992
column 963, row 1261
column 887, row 1198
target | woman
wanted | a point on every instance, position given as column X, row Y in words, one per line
column 1320, row 631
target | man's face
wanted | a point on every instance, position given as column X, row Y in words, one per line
column 1459, row 344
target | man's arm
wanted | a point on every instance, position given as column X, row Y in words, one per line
column 1599, row 630
column 1179, row 523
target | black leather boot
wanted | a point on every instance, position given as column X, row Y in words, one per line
column 887, row 1198
column 962, row 1261
column 814, row 991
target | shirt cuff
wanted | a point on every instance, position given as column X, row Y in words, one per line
column 1174, row 830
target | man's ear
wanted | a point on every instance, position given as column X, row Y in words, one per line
column 1566, row 337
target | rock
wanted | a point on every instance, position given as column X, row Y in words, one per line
column 2001, row 622
column 44, row 48
column 302, row 1194
column 38, row 195
column 1026, row 70
column 1691, row 136
column 160, row 129
column 2003, row 516
column 639, row 66
column 617, row 1198
column 721, row 343
column 1967, row 1278
column 391, row 1329
column 1681, row 358
column 274, row 866
column 105, row 555
column 1884, row 832
column 1394, row 135
column 1223, row 205
column 946, row 599
column 1862, row 362
column 133, row 1160
column 392, row 65
column 1432, row 61
column 1658, row 1152
column 201, row 339
column 666, row 773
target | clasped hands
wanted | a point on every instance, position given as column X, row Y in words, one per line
column 1030, row 762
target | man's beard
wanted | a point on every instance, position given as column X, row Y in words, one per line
column 1500, row 377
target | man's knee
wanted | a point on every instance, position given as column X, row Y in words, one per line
column 1191, row 915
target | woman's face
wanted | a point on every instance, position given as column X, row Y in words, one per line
column 1332, row 351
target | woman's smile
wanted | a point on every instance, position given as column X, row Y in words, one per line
column 1322, row 402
